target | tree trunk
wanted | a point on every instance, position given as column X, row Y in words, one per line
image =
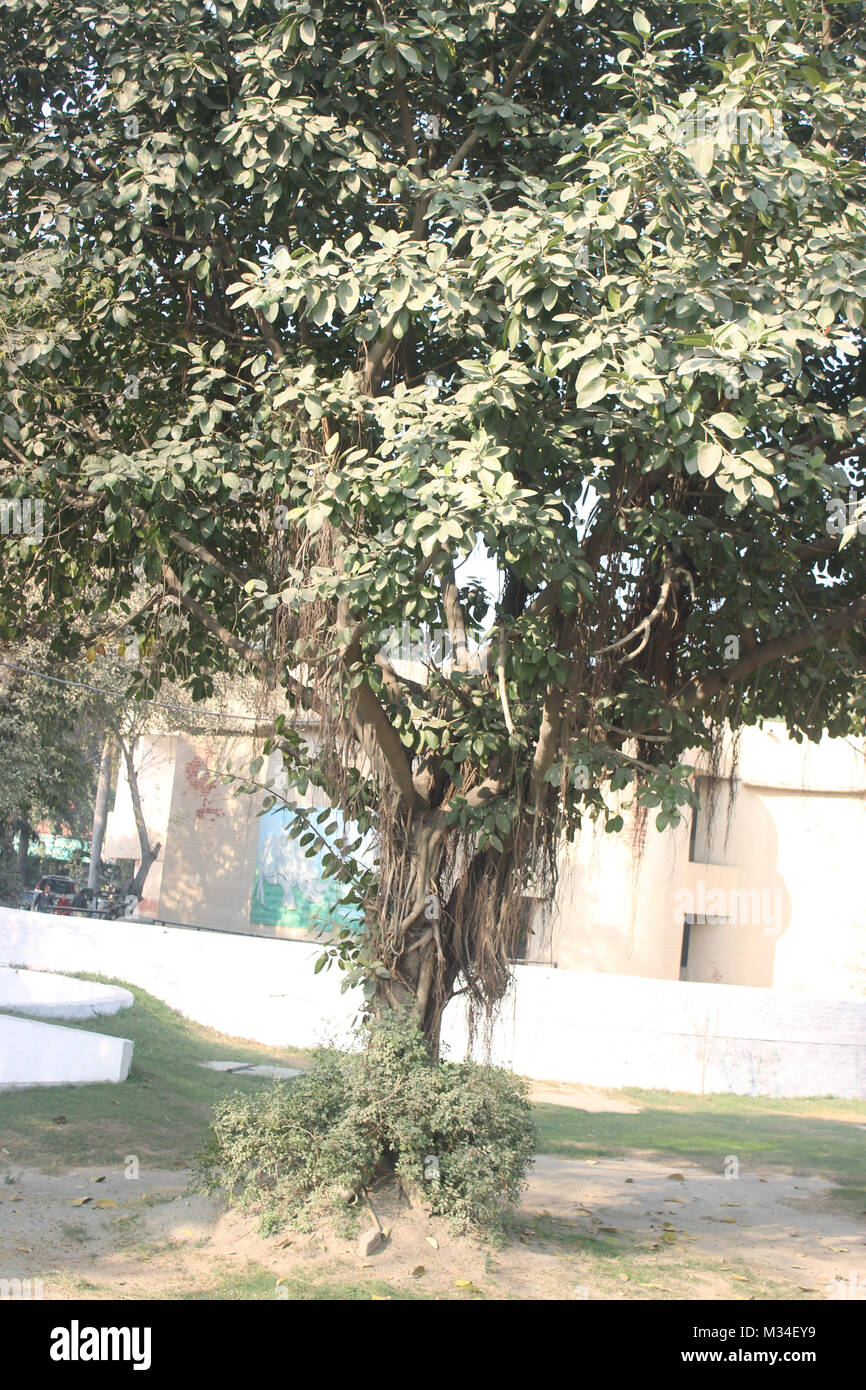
column 7, row 873
column 24, row 837
column 407, row 935
column 448, row 915
column 139, row 878
column 149, row 853
column 100, row 812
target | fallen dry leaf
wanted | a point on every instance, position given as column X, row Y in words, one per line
column 105, row 1202
column 431, row 1240
column 676, row 1177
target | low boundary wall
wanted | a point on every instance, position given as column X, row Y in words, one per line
column 599, row 1030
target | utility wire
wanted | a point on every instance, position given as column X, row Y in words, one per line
column 101, row 690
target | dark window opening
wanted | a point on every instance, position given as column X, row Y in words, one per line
column 684, row 954
column 520, row 950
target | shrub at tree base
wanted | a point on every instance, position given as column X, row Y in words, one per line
column 459, row 1137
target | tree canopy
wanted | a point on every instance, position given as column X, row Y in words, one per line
column 307, row 299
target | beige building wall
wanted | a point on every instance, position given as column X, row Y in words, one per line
column 210, row 855
column 764, row 888
column 209, row 835
column 154, row 761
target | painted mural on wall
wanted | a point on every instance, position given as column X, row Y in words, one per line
column 289, row 890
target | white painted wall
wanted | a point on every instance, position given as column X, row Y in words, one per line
column 44, row 1054
column 39, row 994
column 599, row 1029
column 623, row 1030
column 41, row 1054
column 260, row 988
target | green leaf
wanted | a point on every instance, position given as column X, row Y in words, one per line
column 591, row 393
column 619, row 200
column 348, row 294
column 705, row 459
column 729, row 424
column 702, row 153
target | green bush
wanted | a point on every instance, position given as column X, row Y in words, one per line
column 458, row 1136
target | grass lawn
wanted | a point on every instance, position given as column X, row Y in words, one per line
column 822, row 1137
column 251, row 1282
column 160, row 1113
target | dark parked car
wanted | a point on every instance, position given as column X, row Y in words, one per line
column 48, row 890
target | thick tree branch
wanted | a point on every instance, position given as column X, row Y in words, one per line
column 521, row 63
column 371, row 716
column 454, row 618
column 700, row 689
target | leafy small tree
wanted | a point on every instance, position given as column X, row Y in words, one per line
column 457, row 1136
column 337, row 291
column 46, row 761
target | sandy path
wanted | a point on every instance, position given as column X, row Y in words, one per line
column 582, row 1227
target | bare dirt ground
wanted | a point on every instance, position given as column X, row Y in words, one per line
column 608, row 1228
column 589, row 1098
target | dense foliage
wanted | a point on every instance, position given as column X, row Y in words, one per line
column 311, row 297
column 458, row 1137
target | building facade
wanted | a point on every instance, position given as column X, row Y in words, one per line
column 757, row 887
